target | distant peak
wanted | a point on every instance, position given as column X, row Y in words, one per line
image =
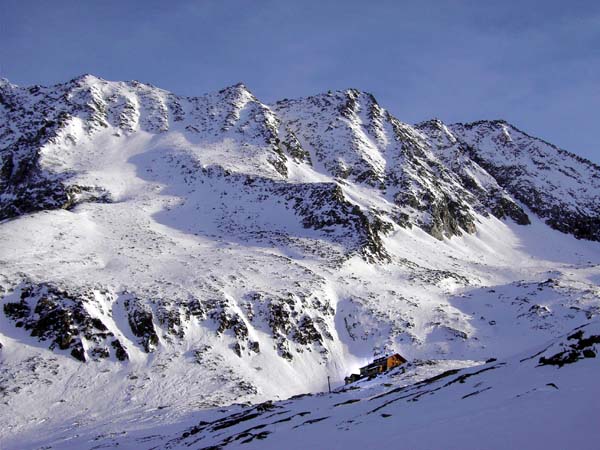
column 489, row 122
column 431, row 123
column 437, row 126
column 235, row 88
column 86, row 78
column 339, row 95
column 5, row 83
column 237, row 93
column 350, row 92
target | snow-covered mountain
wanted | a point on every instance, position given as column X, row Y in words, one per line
column 161, row 255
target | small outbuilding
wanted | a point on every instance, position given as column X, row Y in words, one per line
column 352, row 378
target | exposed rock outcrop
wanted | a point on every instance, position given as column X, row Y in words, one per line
column 52, row 314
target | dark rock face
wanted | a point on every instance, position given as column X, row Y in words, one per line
column 582, row 347
column 287, row 323
column 307, row 333
column 324, row 206
column 293, row 147
column 505, row 168
column 579, row 225
column 254, row 346
column 29, row 125
column 227, row 319
column 18, row 312
column 284, row 318
column 448, row 218
column 23, row 185
column 485, row 194
column 78, row 352
column 170, row 318
column 141, row 322
column 120, row 350
column 504, row 207
column 557, row 214
column 52, row 314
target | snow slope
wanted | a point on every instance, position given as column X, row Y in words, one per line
column 540, row 398
column 161, row 255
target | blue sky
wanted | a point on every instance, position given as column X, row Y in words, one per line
column 535, row 64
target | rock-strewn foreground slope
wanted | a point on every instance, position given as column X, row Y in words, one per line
column 161, row 255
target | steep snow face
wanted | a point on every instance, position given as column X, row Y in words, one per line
column 160, row 254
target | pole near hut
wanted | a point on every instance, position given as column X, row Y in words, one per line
column 329, row 383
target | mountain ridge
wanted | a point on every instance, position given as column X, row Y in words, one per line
column 286, row 144
column 196, row 252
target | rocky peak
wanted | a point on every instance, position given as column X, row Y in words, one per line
column 560, row 187
column 437, row 130
column 237, row 90
column 86, row 79
column 342, row 130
